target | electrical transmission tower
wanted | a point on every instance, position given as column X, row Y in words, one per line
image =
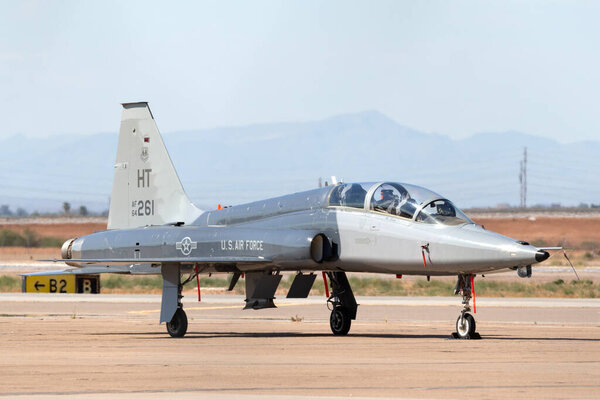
column 523, row 179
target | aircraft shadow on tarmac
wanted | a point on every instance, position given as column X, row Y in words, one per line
column 497, row 337
column 216, row 335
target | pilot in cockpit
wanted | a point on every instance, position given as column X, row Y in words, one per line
column 396, row 203
column 388, row 202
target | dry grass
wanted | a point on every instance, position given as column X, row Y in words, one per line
column 27, row 254
column 362, row 286
column 575, row 233
column 62, row 231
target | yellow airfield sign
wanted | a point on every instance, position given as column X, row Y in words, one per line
column 61, row 283
column 50, row 284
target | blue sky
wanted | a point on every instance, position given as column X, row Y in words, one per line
column 455, row 68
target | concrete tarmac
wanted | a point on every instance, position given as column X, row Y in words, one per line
column 98, row 346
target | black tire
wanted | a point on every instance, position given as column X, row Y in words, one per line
column 465, row 327
column 177, row 327
column 340, row 321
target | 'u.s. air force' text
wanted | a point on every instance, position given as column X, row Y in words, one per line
column 233, row 245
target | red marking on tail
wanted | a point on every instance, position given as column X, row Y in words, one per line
column 424, row 261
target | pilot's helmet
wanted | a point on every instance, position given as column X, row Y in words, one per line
column 387, row 194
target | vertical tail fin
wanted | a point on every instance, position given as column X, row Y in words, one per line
column 146, row 188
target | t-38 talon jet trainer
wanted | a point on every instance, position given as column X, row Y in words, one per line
column 380, row 227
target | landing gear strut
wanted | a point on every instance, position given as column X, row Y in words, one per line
column 341, row 303
column 171, row 310
column 465, row 324
column 177, row 327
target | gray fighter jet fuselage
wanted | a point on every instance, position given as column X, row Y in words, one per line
column 308, row 232
column 379, row 227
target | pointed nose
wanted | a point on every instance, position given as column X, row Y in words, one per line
column 541, row 255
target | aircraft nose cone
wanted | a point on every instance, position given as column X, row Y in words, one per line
column 541, row 255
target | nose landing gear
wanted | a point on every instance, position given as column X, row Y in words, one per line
column 465, row 324
column 465, row 327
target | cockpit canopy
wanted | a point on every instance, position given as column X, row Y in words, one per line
column 402, row 200
column 349, row 195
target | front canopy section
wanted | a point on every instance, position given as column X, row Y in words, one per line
column 443, row 212
column 416, row 203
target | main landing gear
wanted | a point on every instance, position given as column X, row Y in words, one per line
column 341, row 303
column 171, row 307
column 465, row 324
column 177, row 326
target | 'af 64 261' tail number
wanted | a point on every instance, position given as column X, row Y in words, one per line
column 142, row 208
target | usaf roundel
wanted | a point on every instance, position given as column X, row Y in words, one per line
column 186, row 246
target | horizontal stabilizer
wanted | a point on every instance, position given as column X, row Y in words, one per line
column 133, row 269
column 72, row 271
column 185, row 260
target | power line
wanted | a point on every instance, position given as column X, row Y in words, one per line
column 523, row 179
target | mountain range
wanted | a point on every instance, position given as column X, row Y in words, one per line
column 233, row 165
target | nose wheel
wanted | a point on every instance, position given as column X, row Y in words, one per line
column 465, row 324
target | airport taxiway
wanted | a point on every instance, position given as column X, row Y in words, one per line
column 90, row 346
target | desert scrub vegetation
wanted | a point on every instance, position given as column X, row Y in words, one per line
column 366, row 286
column 483, row 287
column 27, row 239
column 362, row 286
column 152, row 283
column 9, row 283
